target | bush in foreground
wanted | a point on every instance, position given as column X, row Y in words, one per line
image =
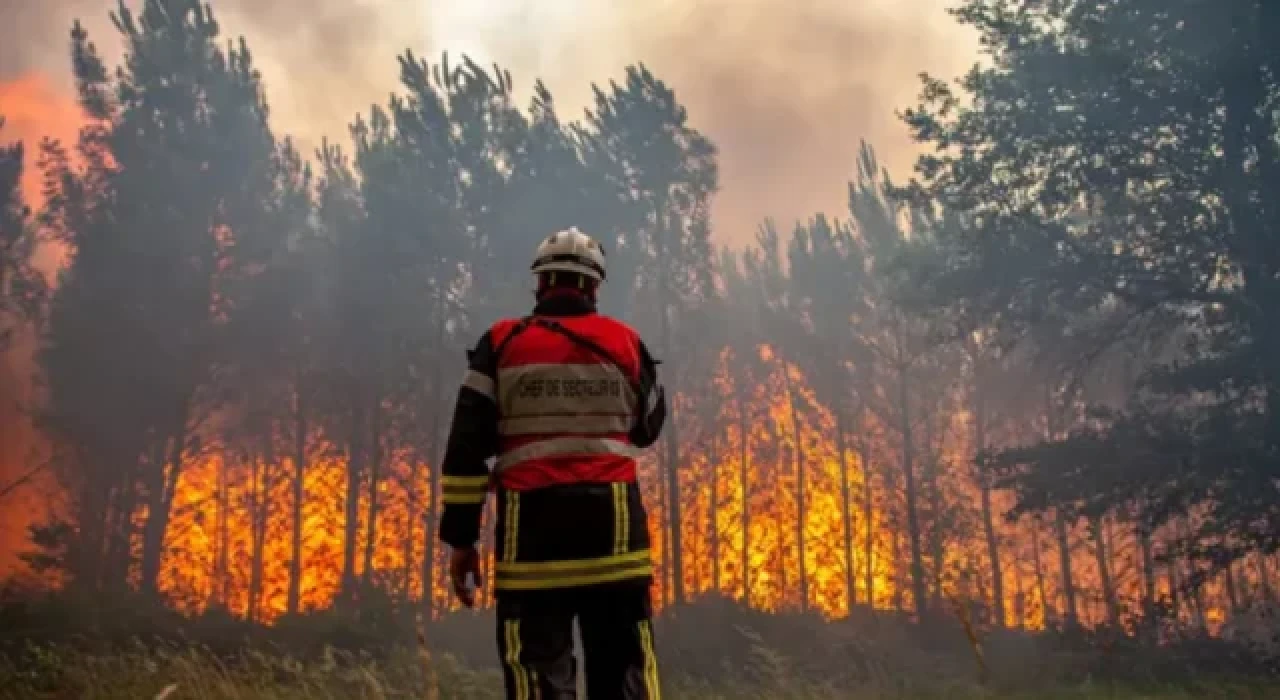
column 173, row 673
column 61, row 645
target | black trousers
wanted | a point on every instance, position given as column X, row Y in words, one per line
column 535, row 643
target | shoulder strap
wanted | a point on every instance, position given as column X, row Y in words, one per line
column 556, row 327
column 517, row 330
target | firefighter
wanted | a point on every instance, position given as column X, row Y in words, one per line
column 564, row 399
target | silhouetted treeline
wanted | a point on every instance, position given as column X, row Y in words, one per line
column 1037, row 386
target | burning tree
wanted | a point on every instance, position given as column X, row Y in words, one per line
column 251, row 354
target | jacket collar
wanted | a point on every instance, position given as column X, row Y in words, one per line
column 564, row 304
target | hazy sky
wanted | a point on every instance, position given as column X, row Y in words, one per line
column 785, row 88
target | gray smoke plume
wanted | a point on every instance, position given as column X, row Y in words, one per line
column 786, row 88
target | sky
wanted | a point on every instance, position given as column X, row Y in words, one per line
column 785, row 88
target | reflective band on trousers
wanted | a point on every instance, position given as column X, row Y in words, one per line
column 581, row 572
column 565, row 447
column 572, row 423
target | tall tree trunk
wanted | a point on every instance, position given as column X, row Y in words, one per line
column 1175, row 587
column 1195, row 587
column 918, row 585
column 775, row 506
column 869, row 541
column 435, row 407
column 411, row 530
column 846, row 512
column 713, row 506
column 375, row 477
column 1064, row 563
column 258, row 506
column 1037, row 561
column 672, row 493
column 117, row 523
column 1233, row 593
column 222, row 566
column 355, row 474
column 898, row 589
column 1071, row 611
column 1148, row 578
column 937, row 507
column 1019, row 596
column 164, row 484
column 801, row 514
column 1264, row 579
column 744, row 478
column 300, row 429
column 1096, row 527
column 988, row 514
column 671, row 468
column 430, row 516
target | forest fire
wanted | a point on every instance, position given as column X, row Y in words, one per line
column 232, row 517
column 33, row 109
column 249, row 363
column 229, row 541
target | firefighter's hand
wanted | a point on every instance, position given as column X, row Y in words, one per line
column 464, row 563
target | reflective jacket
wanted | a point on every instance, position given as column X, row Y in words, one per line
column 564, row 400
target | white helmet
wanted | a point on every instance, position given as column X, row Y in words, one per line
column 570, row 250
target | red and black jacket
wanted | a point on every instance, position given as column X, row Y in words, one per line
column 564, row 400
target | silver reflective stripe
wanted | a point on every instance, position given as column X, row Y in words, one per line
column 479, row 383
column 652, row 406
column 591, row 425
column 566, row 447
column 564, row 389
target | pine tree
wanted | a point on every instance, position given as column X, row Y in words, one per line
column 177, row 159
column 665, row 173
column 22, row 287
column 1160, row 222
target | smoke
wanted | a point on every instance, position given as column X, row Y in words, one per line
column 786, row 88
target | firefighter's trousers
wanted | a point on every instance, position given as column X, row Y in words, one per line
column 535, row 643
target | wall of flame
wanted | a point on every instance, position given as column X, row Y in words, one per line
column 224, row 506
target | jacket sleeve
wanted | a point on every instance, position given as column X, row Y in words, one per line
column 652, row 410
column 473, row 439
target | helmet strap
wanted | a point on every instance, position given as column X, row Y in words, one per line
column 553, row 283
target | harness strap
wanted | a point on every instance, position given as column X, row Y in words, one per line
column 557, row 327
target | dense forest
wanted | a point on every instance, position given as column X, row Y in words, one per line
column 1036, row 385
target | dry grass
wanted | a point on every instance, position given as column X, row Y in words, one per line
column 173, row 673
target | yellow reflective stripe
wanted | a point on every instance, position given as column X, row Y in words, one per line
column 653, row 690
column 576, row 572
column 479, row 383
column 513, row 526
column 465, row 482
column 638, row 570
column 567, row 423
column 570, row 565
column 464, row 490
column 565, row 447
column 621, row 518
column 511, row 630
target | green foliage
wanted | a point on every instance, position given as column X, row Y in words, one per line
column 1116, row 195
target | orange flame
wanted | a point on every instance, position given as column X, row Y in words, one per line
column 32, row 108
column 229, row 542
